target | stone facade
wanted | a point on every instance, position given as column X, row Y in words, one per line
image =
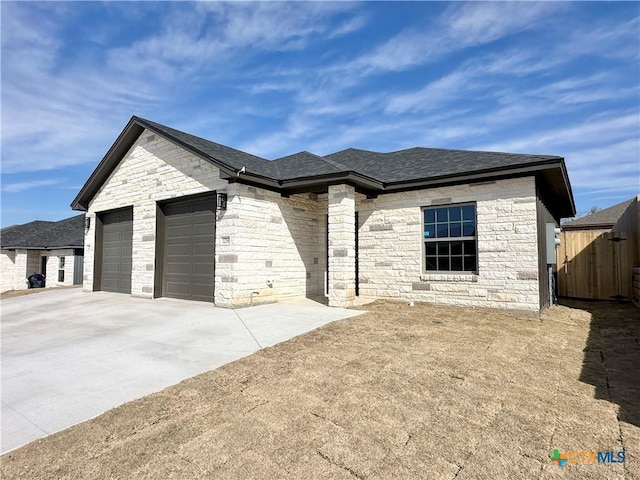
column 391, row 251
column 342, row 245
column 17, row 265
column 53, row 264
column 7, row 270
column 153, row 169
column 267, row 246
column 270, row 247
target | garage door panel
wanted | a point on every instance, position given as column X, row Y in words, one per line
column 180, row 288
column 179, row 268
column 177, row 209
column 202, row 249
column 178, row 249
column 178, row 230
column 189, row 237
column 203, row 269
column 117, row 241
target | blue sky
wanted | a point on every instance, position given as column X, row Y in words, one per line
column 275, row 78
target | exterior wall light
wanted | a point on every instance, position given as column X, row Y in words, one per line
column 87, row 223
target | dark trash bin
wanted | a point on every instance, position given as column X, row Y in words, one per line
column 36, row 280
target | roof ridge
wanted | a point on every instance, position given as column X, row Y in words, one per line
column 492, row 152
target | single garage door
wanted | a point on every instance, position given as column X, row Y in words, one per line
column 189, row 255
column 117, row 240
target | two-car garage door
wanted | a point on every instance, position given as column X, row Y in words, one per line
column 186, row 240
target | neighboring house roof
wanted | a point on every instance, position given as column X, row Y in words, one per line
column 601, row 219
column 372, row 173
column 41, row 235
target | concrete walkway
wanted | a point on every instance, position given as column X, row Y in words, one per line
column 68, row 356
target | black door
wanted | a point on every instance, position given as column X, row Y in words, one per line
column 117, row 240
column 189, row 249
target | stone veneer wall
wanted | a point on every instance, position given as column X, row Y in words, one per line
column 52, row 267
column 391, row 247
column 261, row 236
column 270, row 240
column 342, row 243
column 7, row 270
column 154, row 169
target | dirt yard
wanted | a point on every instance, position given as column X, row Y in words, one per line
column 427, row 392
column 31, row 291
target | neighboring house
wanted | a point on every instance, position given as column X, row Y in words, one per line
column 623, row 216
column 600, row 254
column 53, row 249
column 174, row 215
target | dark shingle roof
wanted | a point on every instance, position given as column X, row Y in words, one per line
column 605, row 218
column 402, row 165
column 230, row 156
column 305, row 164
column 45, row 235
column 374, row 171
column 419, row 163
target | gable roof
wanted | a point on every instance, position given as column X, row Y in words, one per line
column 604, row 219
column 371, row 172
column 41, row 235
column 305, row 164
column 419, row 162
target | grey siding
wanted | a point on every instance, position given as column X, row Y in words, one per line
column 543, row 216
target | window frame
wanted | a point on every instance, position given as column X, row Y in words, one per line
column 61, row 265
column 436, row 239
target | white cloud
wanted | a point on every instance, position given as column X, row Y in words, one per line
column 70, row 105
column 590, row 133
column 461, row 26
column 22, row 186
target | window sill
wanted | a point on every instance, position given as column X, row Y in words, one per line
column 449, row 277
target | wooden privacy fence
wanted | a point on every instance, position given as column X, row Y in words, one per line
column 596, row 265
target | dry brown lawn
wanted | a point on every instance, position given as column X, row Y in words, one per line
column 428, row 392
column 31, row 291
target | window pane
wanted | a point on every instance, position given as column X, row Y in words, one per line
column 469, row 212
column 443, row 230
column 443, row 248
column 430, row 248
column 431, row 263
column 429, row 230
column 456, row 264
column 430, row 216
column 61, row 262
column 455, row 229
column 468, row 229
column 469, row 247
column 441, row 214
column 470, row 264
column 456, row 248
column 443, row 263
column 61, row 275
column 455, row 214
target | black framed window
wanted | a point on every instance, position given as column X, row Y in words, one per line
column 450, row 239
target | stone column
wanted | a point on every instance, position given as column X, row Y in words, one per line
column 342, row 245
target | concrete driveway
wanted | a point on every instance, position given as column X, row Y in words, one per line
column 68, row 355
